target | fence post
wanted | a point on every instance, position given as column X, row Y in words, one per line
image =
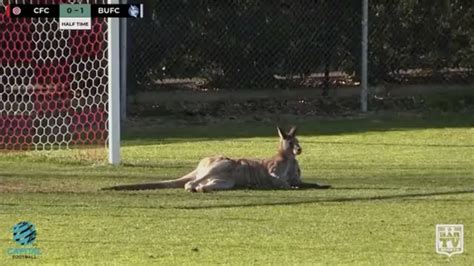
column 363, row 78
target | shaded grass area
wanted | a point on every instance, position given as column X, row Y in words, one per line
column 166, row 129
column 394, row 179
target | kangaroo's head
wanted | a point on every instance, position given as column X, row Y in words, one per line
column 288, row 142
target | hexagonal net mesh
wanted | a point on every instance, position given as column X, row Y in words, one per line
column 53, row 83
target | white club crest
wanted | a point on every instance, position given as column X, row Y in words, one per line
column 449, row 239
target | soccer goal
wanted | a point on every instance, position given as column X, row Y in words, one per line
column 59, row 89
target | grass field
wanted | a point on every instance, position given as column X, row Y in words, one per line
column 394, row 179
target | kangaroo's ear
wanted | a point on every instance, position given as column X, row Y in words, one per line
column 281, row 133
column 292, row 132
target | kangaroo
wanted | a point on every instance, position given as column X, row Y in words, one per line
column 281, row 171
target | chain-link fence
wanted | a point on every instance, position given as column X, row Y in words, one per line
column 421, row 41
column 245, row 44
column 285, row 44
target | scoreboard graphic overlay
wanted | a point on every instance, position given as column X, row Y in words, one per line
column 53, row 80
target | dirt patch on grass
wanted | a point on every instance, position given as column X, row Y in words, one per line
column 13, row 186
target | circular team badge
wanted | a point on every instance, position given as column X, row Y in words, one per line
column 24, row 233
column 16, row 11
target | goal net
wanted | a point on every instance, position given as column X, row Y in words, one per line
column 53, row 83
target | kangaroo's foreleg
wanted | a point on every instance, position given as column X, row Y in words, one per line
column 278, row 183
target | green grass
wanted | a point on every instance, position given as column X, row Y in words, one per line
column 394, row 179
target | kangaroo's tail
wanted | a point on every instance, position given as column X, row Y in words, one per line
column 176, row 183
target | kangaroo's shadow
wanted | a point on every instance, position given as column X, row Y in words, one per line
column 322, row 200
column 307, row 186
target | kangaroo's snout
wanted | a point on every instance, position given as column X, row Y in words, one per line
column 297, row 150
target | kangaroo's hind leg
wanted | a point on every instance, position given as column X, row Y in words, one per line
column 215, row 184
column 204, row 173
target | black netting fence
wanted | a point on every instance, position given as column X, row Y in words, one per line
column 421, row 41
column 245, row 44
column 249, row 44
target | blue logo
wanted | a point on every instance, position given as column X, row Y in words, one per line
column 24, row 233
column 133, row 11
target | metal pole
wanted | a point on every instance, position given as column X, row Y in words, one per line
column 123, row 67
column 363, row 78
column 114, row 87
